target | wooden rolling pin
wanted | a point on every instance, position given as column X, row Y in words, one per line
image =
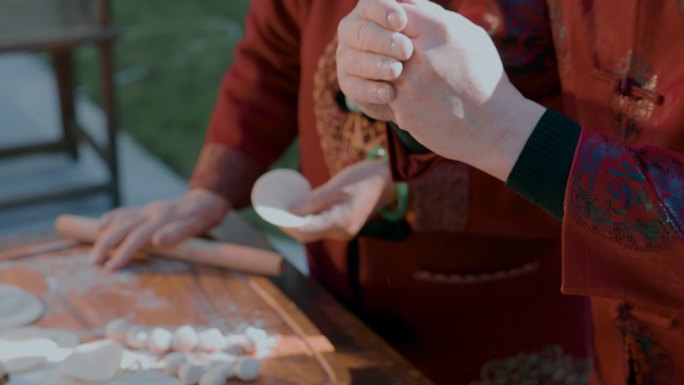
column 226, row 255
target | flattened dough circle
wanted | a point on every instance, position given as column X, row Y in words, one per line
column 274, row 192
column 18, row 307
column 63, row 338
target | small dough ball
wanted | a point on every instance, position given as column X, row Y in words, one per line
column 172, row 361
column 117, row 329
column 159, row 340
column 237, row 344
column 137, row 337
column 247, row 369
column 217, row 375
column 258, row 336
column 211, row 340
column 184, row 339
column 227, row 369
column 189, row 374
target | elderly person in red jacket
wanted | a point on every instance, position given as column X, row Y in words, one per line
column 611, row 167
column 460, row 274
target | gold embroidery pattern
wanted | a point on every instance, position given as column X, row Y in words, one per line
column 630, row 114
column 552, row 366
column 346, row 137
column 560, row 32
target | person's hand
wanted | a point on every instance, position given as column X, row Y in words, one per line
column 453, row 95
column 370, row 52
column 124, row 231
column 343, row 205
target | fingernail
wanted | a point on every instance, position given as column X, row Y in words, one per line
column 395, row 69
column 394, row 20
column 382, row 94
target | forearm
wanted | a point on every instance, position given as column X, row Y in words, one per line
column 226, row 172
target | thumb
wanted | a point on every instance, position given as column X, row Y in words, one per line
column 422, row 16
column 318, row 200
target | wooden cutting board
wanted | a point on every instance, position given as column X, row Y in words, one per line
column 170, row 293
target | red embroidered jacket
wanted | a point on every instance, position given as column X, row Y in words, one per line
column 622, row 80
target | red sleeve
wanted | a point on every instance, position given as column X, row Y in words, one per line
column 255, row 118
column 624, row 221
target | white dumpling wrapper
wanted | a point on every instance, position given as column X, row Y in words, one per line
column 93, row 362
column 273, row 194
column 18, row 307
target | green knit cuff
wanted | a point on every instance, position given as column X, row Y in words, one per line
column 408, row 141
column 541, row 172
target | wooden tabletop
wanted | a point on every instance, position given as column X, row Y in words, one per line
column 359, row 356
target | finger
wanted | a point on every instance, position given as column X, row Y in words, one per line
column 377, row 111
column 318, row 200
column 368, row 65
column 107, row 218
column 364, row 91
column 386, row 13
column 178, row 231
column 294, row 234
column 134, row 241
column 325, row 225
column 317, row 228
column 113, row 236
column 423, row 17
column 367, row 36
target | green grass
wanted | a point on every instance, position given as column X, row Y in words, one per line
column 170, row 59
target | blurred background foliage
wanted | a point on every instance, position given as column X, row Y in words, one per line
column 170, row 59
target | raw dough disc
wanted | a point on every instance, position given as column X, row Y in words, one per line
column 144, row 377
column 63, row 338
column 24, row 364
column 97, row 361
column 44, row 375
column 37, row 347
column 18, row 307
column 274, row 193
